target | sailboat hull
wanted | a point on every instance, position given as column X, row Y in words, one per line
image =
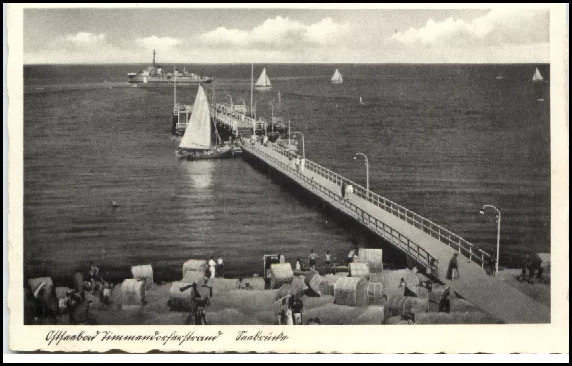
column 225, row 152
column 262, row 88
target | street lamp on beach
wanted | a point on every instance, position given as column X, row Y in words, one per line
column 366, row 169
column 303, row 149
column 482, row 212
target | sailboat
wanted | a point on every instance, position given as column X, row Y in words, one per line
column 361, row 102
column 337, row 77
column 537, row 76
column 196, row 143
column 499, row 77
column 263, row 82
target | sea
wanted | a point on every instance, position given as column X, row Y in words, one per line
column 441, row 140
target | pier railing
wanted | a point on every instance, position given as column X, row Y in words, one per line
column 442, row 234
column 236, row 119
column 393, row 236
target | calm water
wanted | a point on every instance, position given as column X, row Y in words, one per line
column 442, row 140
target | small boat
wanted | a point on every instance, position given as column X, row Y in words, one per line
column 337, row 77
column 537, row 76
column 263, row 82
column 196, row 143
column 361, row 102
column 499, row 77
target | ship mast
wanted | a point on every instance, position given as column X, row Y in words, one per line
column 251, row 87
column 153, row 57
column 174, row 86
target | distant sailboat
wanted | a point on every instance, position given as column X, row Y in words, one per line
column 361, row 102
column 337, row 77
column 196, row 143
column 537, row 76
column 499, row 77
column 263, row 82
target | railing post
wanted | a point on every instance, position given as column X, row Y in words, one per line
column 482, row 260
column 460, row 245
column 470, row 253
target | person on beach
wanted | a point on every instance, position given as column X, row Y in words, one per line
column 298, row 264
column 328, row 260
column 220, row 266
column 351, row 255
column 93, row 273
column 297, row 306
column 525, row 265
column 212, row 267
column 453, row 268
column 384, row 309
column 313, row 256
column 281, row 259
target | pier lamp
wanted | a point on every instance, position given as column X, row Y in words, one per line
column 482, row 212
column 303, row 148
column 366, row 169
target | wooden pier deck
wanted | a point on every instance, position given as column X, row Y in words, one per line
column 430, row 245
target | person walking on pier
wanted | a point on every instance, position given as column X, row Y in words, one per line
column 453, row 268
column 349, row 191
column 344, row 189
column 313, row 256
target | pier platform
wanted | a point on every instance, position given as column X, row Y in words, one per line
column 429, row 245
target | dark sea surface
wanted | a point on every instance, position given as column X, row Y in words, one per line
column 442, row 140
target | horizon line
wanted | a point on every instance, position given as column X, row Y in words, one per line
column 292, row 63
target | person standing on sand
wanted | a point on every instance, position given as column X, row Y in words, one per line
column 313, row 256
column 93, row 272
column 298, row 264
column 297, row 306
column 328, row 260
column 212, row 266
column 220, row 266
column 384, row 309
column 453, row 268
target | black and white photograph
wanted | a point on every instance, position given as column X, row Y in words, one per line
column 260, row 166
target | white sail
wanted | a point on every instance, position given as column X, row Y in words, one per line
column 337, row 77
column 198, row 132
column 537, row 76
column 263, row 80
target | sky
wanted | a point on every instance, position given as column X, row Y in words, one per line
column 499, row 35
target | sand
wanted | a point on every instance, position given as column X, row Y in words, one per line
column 231, row 305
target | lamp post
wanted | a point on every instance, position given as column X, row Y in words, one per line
column 303, row 148
column 366, row 169
column 482, row 212
column 272, row 116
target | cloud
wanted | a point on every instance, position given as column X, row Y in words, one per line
column 278, row 33
column 225, row 37
column 499, row 26
column 158, row 43
column 86, row 39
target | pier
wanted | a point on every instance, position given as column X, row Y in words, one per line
column 429, row 245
